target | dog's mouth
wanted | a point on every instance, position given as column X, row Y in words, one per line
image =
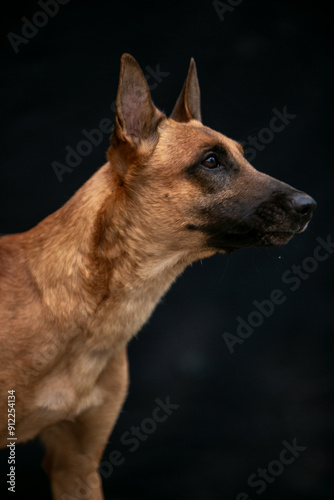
column 273, row 237
column 230, row 241
column 255, row 238
column 269, row 238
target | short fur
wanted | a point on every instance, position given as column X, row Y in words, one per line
column 78, row 286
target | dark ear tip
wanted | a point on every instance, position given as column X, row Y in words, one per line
column 192, row 68
column 128, row 59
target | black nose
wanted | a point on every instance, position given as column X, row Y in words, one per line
column 303, row 204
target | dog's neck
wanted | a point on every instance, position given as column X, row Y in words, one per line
column 79, row 253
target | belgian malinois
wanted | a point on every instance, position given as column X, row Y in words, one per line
column 76, row 288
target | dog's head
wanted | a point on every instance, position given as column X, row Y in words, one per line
column 189, row 187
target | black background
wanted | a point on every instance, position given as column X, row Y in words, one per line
column 234, row 409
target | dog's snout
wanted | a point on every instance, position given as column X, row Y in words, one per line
column 303, row 204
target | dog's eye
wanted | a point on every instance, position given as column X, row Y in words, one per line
column 211, row 162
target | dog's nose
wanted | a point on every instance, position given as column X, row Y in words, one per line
column 303, row 204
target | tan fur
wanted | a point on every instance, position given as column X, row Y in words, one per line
column 78, row 286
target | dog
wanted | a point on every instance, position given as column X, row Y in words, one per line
column 78, row 286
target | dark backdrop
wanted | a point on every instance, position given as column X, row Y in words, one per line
column 236, row 410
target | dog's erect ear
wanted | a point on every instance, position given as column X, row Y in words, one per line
column 188, row 105
column 136, row 117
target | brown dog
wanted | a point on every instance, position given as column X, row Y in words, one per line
column 77, row 287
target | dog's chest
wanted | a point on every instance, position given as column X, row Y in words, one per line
column 72, row 386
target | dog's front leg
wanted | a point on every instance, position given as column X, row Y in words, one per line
column 74, row 449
